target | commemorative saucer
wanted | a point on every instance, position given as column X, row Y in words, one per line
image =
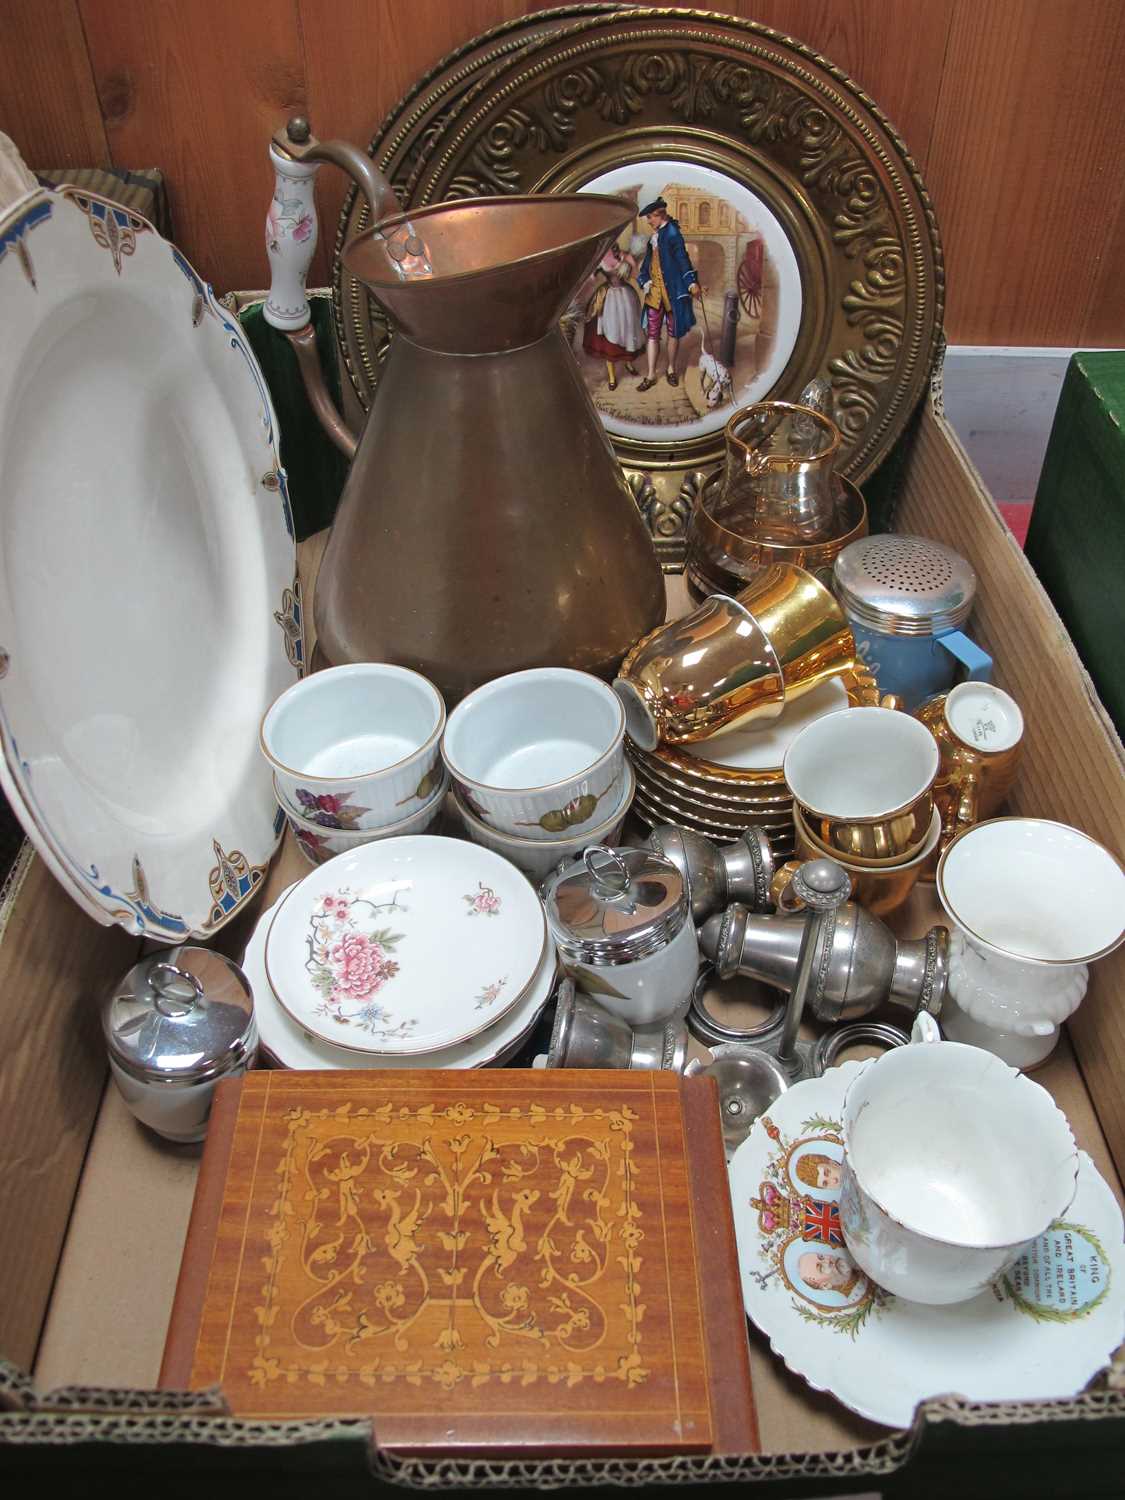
column 1040, row 1332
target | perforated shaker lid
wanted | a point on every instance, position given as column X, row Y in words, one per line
column 904, row 585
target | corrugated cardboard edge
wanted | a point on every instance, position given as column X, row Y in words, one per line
column 876, row 1460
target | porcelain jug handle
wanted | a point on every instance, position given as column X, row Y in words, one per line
column 291, row 237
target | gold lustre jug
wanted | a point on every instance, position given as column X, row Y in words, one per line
column 485, row 525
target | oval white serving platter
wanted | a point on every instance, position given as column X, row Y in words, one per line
column 149, row 608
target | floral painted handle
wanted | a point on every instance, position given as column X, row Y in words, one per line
column 291, row 235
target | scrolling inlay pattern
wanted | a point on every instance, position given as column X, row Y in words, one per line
column 409, row 1245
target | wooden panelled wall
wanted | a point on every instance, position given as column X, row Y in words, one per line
column 1012, row 109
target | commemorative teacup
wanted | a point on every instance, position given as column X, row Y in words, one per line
column 953, row 1164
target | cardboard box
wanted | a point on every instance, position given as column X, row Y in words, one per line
column 90, row 1239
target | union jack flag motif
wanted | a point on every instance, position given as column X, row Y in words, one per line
column 822, row 1223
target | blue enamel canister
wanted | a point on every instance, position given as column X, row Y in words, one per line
column 906, row 599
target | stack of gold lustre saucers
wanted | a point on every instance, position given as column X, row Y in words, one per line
column 719, row 786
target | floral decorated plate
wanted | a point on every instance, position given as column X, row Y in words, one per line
column 149, row 612
column 1041, row 1332
column 292, row 1047
column 406, row 946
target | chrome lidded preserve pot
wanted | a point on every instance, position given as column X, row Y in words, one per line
column 621, row 919
column 178, row 1023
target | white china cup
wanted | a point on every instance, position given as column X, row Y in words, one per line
column 861, row 764
column 537, row 858
column 358, row 744
column 538, row 754
column 953, row 1164
column 319, row 843
column 1032, row 903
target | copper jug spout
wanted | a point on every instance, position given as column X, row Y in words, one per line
column 489, row 274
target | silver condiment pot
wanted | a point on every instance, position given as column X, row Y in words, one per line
column 586, row 1035
column 622, row 924
column 177, row 1024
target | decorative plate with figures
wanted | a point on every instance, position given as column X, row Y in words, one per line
column 1041, row 1332
column 407, row 945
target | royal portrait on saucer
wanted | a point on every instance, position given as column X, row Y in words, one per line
column 694, row 310
column 802, row 1242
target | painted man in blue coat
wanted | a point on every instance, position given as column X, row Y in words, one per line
column 669, row 283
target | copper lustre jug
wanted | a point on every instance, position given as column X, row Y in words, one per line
column 485, row 525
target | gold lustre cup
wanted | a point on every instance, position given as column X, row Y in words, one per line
column 882, row 891
column 734, row 662
column 889, row 841
column 863, row 781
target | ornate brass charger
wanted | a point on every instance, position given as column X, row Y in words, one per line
column 797, row 204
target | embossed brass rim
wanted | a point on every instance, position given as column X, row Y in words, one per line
column 736, row 92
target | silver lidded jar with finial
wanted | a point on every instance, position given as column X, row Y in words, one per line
column 178, row 1023
column 621, row 919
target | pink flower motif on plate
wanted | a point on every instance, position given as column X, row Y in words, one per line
column 360, row 967
column 486, row 903
column 491, row 993
column 350, row 960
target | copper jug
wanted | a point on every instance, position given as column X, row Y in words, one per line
column 485, row 525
